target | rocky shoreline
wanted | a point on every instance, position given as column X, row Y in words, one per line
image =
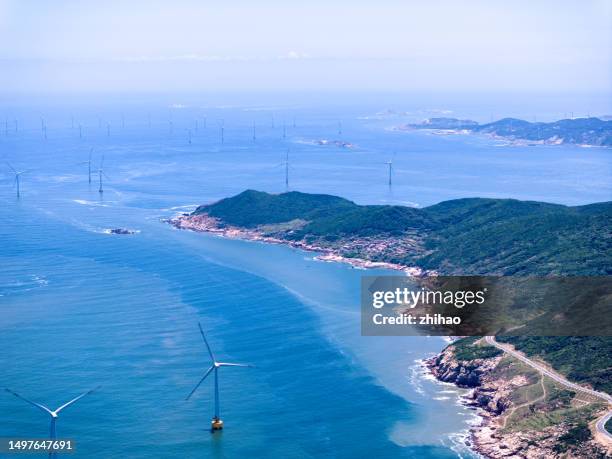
column 206, row 224
column 491, row 396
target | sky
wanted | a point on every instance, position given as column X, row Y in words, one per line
column 436, row 45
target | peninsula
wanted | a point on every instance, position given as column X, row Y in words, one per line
column 524, row 412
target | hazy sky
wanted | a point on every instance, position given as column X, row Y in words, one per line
column 265, row 44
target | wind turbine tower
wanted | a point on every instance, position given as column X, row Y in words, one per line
column 88, row 162
column 287, row 170
column 17, row 178
column 52, row 413
column 216, row 423
column 100, row 174
column 390, row 164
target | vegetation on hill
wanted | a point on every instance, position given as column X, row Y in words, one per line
column 251, row 208
column 463, row 236
column 467, row 349
column 583, row 359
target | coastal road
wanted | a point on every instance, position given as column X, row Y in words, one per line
column 601, row 423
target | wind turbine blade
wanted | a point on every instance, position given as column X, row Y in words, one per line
column 67, row 404
column 201, row 381
column 12, row 168
column 102, row 162
column 104, row 174
column 206, row 342
column 225, row 364
column 37, row 405
column 90, row 152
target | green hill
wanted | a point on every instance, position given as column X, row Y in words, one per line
column 463, row 236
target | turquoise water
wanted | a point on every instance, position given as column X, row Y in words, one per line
column 82, row 308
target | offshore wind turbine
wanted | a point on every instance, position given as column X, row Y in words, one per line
column 390, row 164
column 286, row 163
column 254, row 132
column 17, row 178
column 222, row 130
column 216, row 423
column 52, row 413
column 88, row 162
column 339, row 127
column 100, row 174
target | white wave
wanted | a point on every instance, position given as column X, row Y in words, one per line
column 84, row 202
column 416, row 377
column 33, row 282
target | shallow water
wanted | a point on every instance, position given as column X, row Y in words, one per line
column 82, row 308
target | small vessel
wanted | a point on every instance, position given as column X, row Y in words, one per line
column 120, row 231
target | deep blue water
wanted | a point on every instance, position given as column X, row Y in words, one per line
column 82, row 308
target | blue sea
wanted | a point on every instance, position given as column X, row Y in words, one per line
column 82, row 308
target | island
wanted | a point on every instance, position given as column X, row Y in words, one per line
column 578, row 131
column 525, row 413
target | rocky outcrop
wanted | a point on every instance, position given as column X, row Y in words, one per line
column 491, row 395
column 488, row 395
column 463, row 373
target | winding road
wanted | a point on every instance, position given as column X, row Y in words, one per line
column 601, row 423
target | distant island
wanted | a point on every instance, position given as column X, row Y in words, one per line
column 578, row 131
column 525, row 414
